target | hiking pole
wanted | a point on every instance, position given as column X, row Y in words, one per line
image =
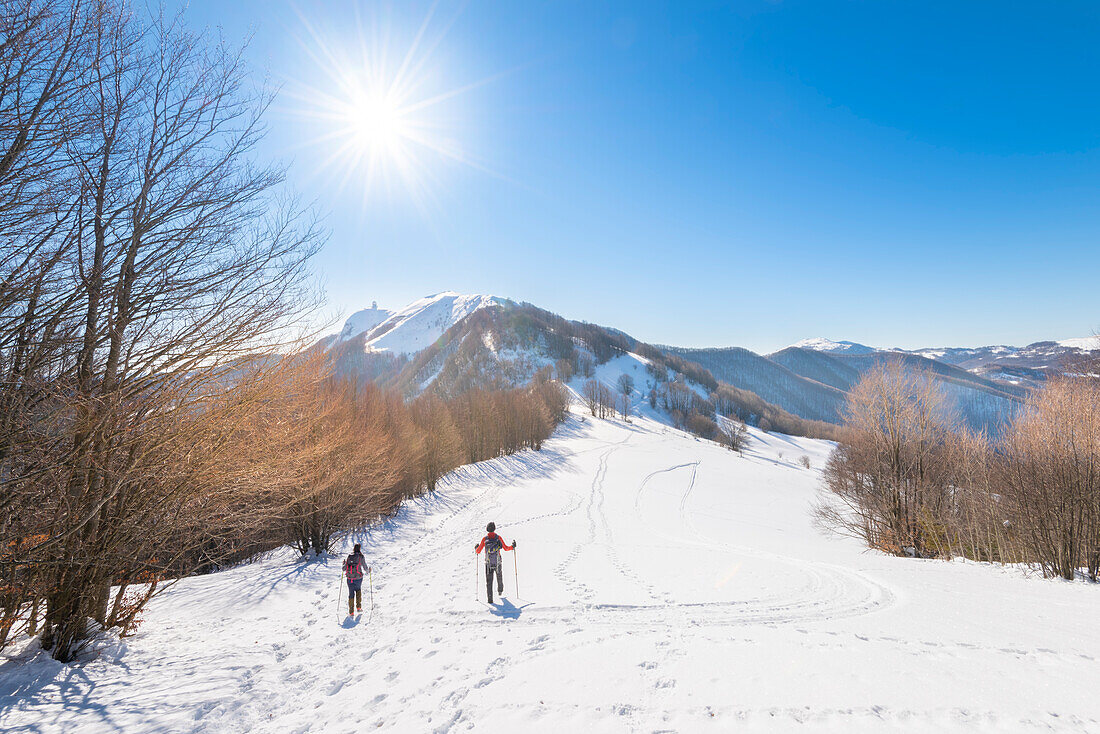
column 339, row 596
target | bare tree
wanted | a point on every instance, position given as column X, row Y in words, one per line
column 333, row 459
column 1051, row 476
column 889, row 476
column 626, row 392
column 180, row 261
column 563, row 369
column 442, row 449
column 586, row 365
column 733, row 434
column 591, row 394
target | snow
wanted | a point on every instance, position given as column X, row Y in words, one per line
column 665, row 583
column 362, row 321
column 821, row 344
column 422, row 322
column 1086, row 343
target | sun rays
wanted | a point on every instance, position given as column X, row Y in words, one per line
column 383, row 113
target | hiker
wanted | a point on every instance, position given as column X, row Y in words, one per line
column 355, row 567
column 493, row 544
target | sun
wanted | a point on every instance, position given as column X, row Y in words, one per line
column 377, row 123
column 381, row 111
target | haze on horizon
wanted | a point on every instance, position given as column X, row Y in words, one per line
column 700, row 174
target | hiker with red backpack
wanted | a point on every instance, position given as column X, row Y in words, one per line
column 493, row 544
column 355, row 568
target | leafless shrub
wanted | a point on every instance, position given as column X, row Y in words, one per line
column 888, row 479
column 626, row 390
column 733, row 435
column 599, row 399
column 1051, row 476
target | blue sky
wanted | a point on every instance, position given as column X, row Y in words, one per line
column 716, row 173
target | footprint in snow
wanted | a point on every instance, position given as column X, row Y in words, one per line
column 203, row 709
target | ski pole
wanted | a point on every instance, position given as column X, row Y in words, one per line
column 370, row 579
column 339, row 596
column 477, row 596
column 515, row 567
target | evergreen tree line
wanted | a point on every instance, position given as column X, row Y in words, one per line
column 908, row 478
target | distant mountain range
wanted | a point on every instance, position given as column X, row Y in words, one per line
column 1026, row 366
column 453, row 342
column 814, row 384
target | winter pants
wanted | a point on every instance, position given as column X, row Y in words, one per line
column 355, row 595
column 490, row 571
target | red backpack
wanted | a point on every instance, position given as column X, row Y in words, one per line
column 353, row 567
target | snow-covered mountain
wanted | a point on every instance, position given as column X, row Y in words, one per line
column 453, row 342
column 363, row 321
column 814, row 384
column 821, row 344
column 1027, row 366
column 1084, row 343
column 416, row 326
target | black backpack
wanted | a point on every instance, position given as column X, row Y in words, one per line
column 492, row 550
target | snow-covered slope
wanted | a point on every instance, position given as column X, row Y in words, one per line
column 1027, row 366
column 822, row 344
column 769, row 379
column 1085, row 343
column 362, row 321
column 418, row 325
column 665, row 584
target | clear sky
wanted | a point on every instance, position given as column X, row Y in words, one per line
column 705, row 173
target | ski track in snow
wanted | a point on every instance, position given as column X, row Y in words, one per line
column 668, row 585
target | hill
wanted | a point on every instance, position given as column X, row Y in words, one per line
column 487, row 342
column 664, row 583
column 451, row 343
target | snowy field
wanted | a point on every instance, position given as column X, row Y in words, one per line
column 665, row 584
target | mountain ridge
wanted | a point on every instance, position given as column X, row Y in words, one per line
column 453, row 342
